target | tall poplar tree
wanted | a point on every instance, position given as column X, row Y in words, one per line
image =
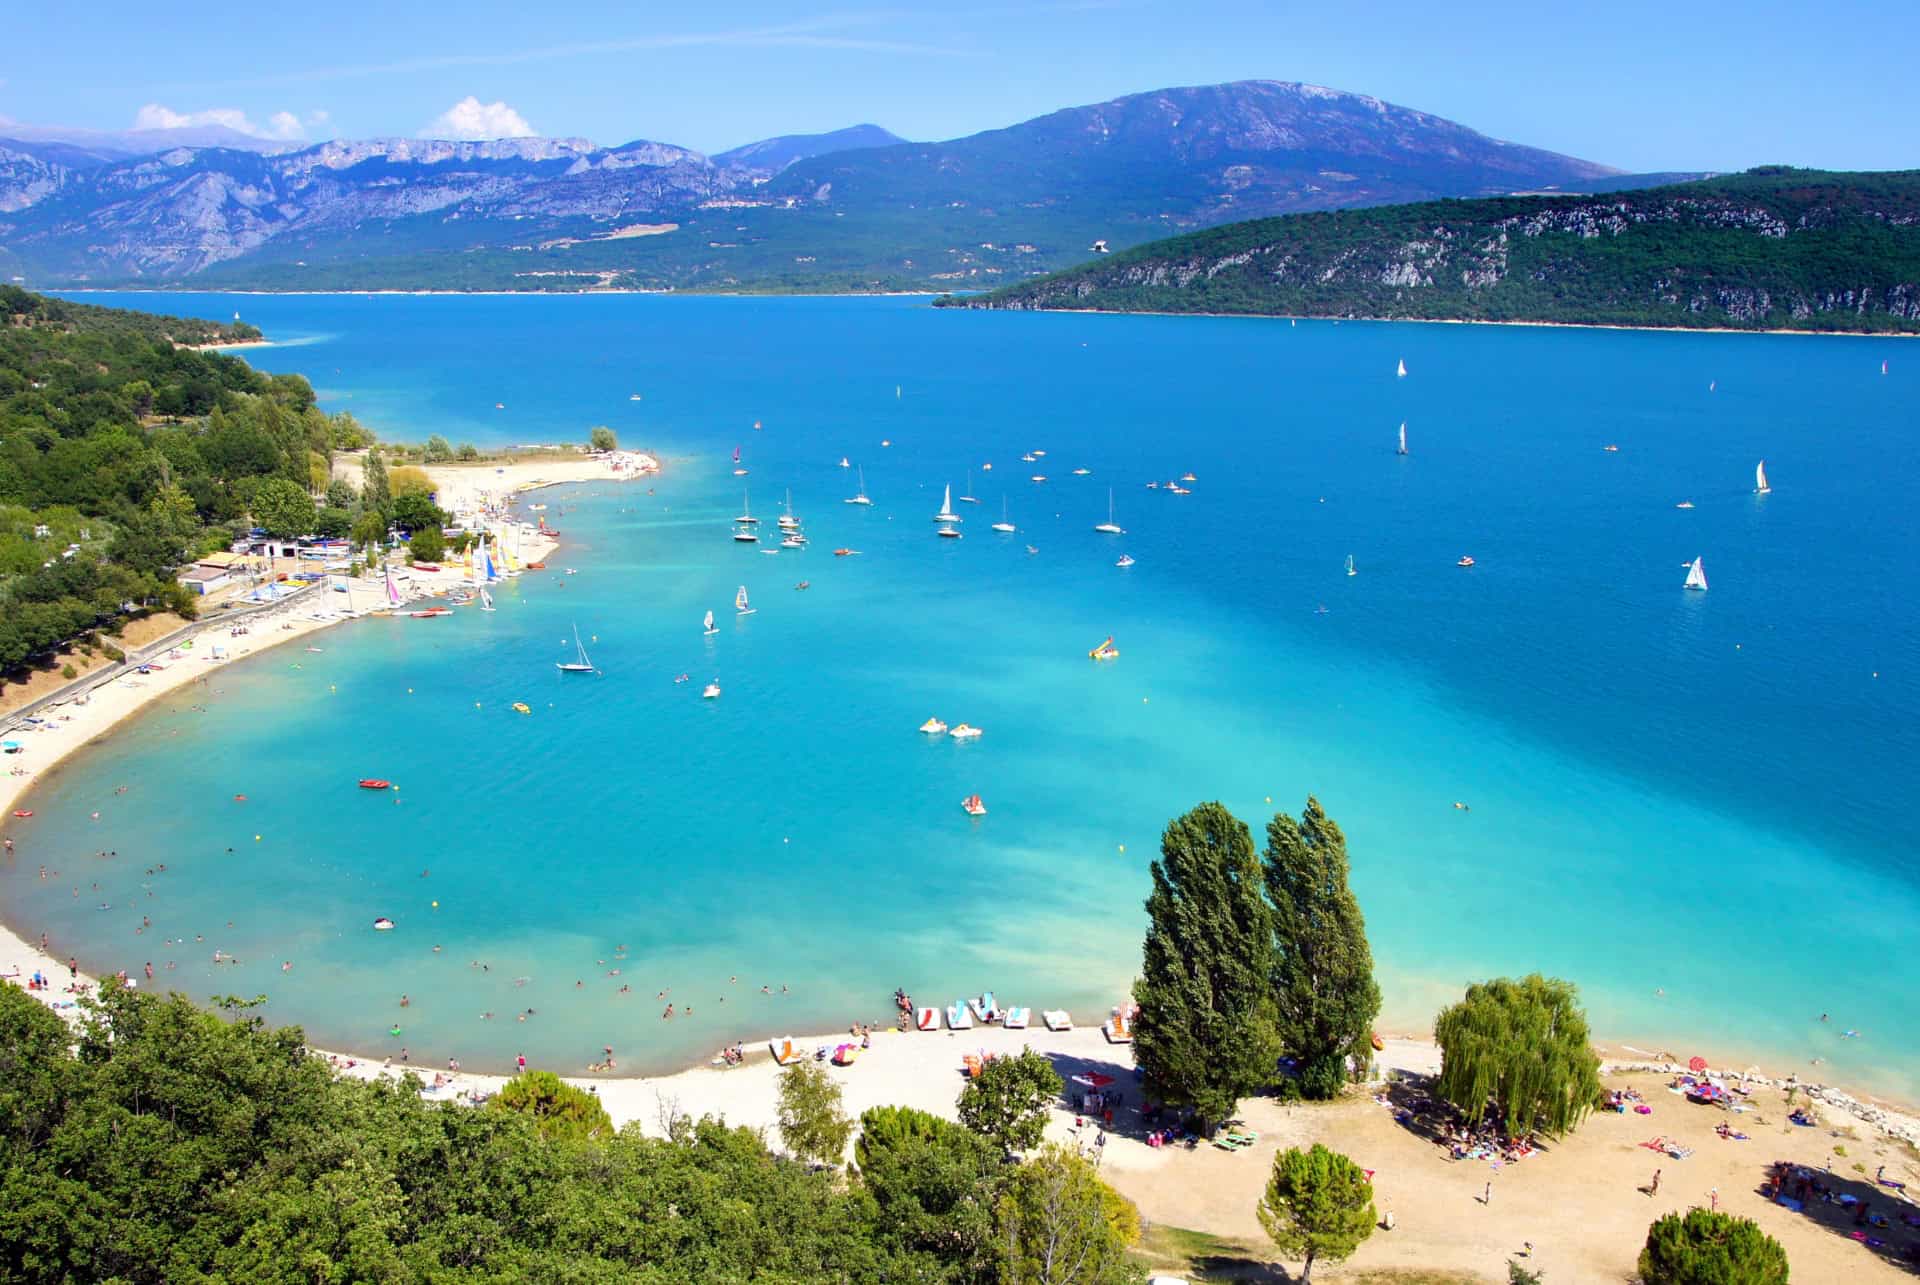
column 1205, row 1036
column 1324, row 992
column 375, row 492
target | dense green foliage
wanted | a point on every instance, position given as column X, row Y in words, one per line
column 1205, row 1035
column 1060, row 1225
column 812, row 1125
column 133, row 453
column 558, row 1110
column 1326, row 998
column 1707, row 1248
column 1519, row 1050
column 937, row 1185
column 1007, row 1102
column 603, row 438
column 1318, row 1206
column 179, row 1145
column 1772, row 248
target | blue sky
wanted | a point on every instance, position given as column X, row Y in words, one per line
column 1645, row 86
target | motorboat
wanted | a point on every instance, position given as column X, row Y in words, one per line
column 1126, row 560
column 1464, row 562
column 711, row 692
column 964, row 732
column 374, row 783
column 1082, row 472
column 934, row 727
column 1684, row 504
column 973, row 806
column 383, row 924
column 844, row 553
column 794, row 541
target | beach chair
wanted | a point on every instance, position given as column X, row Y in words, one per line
column 1057, row 1019
column 1016, row 1018
column 927, row 1019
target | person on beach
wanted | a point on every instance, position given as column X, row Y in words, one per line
column 521, row 1061
column 1486, row 1197
column 1653, row 1188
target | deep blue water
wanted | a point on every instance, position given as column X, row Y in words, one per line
column 1710, row 795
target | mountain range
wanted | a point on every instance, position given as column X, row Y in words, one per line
column 857, row 208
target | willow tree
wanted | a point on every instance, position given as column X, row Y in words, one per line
column 1205, row 1036
column 1324, row 993
column 1519, row 1050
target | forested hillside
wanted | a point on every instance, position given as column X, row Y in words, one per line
column 1772, row 248
column 123, row 453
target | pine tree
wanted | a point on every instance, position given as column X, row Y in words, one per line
column 1318, row 1206
column 1325, row 995
column 1205, row 1035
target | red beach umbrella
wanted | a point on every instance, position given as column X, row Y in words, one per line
column 1093, row 1079
column 1696, row 1063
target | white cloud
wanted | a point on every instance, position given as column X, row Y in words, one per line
column 472, row 120
column 280, row 125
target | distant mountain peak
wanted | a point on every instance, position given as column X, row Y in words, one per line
column 775, row 154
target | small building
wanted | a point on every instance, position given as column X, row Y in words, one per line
column 204, row 580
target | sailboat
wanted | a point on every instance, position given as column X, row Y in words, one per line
column 1883, row 367
column 788, row 522
column 843, row 462
column 737, row 470
column 1109, row 527
column 740, row 602
column 1760, row 486
column 486, row 599
column 968, row 498
column 860, row 496
column 1697, row 576
column 746, row 517
column 1003, row 524
column 1350, row 570
column 1403, row 439
column 1401, row 372
column 709, row 625
column 579, row 664
column 946, row 513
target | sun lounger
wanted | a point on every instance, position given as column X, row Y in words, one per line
column 927, row 1018
column 1057, row 1019
column 958, row 1019
column 784, row 1051
column 1016, row 1018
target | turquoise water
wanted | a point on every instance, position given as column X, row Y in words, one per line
column 1709, row 796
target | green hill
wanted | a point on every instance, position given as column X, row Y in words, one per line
column 1774, row 248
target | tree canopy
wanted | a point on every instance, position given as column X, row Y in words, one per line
column 602, row 438
column 558, row 1110
column 1007, row 1102
column 1318, row 1206
column 1702, row 1247
column 812, row 1125
column 1519, row 1050
column 1325, row 995
column 1060, row 1225
column 1205, row 1036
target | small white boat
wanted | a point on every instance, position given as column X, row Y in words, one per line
column 968, row 497
column 843, row 462
column 1126, row 560
column 771, row 553
column 964, row 732
column 972, row 806
column 1003, row 525
column 1684, row 504
column 793, row 541
column 1350, row 570
column 1028, row 458
column 1109, row 527
column 1760, row 486
column 946, row 513
column 710, row 627
column 947, row 533
column 1039, row 477
column 579, row 664
column 786, row 521
column 633, row 397
column 1401, row 370
column 740, row 603
column 860, row 496
column 745, row 535
column 1039, row 454
column 1403, row 439
column 383, row 924
column 1082, row 472
column 1697, row 576
column 711, row 691
column 934, row 727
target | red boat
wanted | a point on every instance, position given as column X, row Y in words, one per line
column 426, row 566
column 431, row 612
column 374, row 783
column 536, row 566
column 23, row 812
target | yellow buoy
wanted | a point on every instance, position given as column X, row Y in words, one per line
column 256, row 838
column 1123, row 847
column 436, row 905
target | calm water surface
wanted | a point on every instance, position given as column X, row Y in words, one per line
column 1698, row 806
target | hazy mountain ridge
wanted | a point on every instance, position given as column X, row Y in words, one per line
column 875, row 212
column 1772, row 248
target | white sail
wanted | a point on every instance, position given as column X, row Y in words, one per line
column 1696, row 575
column 946, row 513
column 1402, row 370
column 1350, row 570
column 740, row 601
column 1760, row 486
column 486, row 599
column 708, row 625
column 1403, row 437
